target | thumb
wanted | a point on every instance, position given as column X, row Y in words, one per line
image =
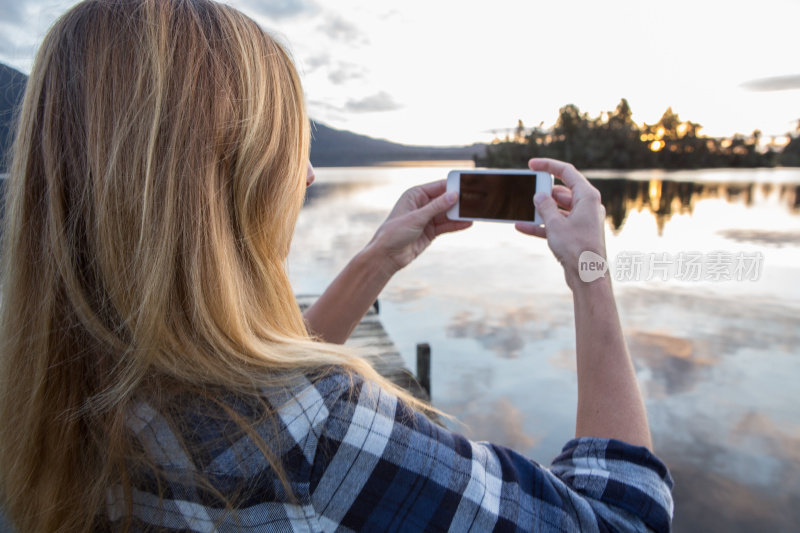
column 546, row 206
column 438, row 205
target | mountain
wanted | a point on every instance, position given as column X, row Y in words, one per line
column 329, row 147
column 12, row 85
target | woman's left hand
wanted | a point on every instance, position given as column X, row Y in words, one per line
column 418, row 217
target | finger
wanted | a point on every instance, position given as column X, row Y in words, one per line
column 438, row 205
column 568, row 174
column 547, row 207
column 451, row 226
column 434, row 188
column 561, row 189
column 418, row 196
column 563, row 196
column 529, row 228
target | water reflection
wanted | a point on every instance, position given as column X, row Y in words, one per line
column 777, row 238
column 509, row 332
column 665, row 198
column 718, row 363
column 504, row 337
column 706, row 501
column 760, row 434
column 739, row 480
column 406, row 293
column 674, row 364
column 500, row 418
column 720, row 380
column 329, row 191
column 717, row 326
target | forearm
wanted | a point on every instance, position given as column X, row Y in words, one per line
column 334, row 316
column 610, row 404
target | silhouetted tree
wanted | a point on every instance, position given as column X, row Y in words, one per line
column 613, row 140
column 790, row 156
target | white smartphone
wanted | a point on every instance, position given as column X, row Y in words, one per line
column 497, row 195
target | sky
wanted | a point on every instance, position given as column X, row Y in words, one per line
column 444, row 72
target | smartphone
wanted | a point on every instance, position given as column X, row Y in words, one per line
column 497, row 195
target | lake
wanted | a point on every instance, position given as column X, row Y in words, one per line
column 706, row 269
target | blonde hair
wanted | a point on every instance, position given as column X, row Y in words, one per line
column 158, row 170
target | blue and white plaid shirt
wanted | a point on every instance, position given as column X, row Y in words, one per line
column 359, row 459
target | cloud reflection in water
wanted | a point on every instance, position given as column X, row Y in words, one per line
column 498, row 420
column 675, row 364
column 504, row 331
column 718, row 363
column 772, row 238
column 745, row 483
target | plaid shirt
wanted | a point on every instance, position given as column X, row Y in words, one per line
column 359, row 459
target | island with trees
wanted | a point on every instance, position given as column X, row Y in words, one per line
column 614, row 141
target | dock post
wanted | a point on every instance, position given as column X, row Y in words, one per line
column 424, row 366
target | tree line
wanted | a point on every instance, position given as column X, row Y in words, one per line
column 614, row 141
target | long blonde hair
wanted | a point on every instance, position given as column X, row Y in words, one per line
column 158, row 170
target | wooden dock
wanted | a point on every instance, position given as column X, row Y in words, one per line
column 371, row 340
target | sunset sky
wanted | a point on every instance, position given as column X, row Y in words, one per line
column 453, row 72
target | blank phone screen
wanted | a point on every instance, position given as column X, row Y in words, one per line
column 497, row 196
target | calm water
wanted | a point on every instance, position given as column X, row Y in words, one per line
column 718, row 361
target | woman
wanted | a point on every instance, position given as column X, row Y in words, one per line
column 156, row 371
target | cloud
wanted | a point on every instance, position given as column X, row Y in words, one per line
column 322, row 105
column 338, row 29
column 276, row 9
column 7, row 46
column 339, row 72
column 13, row 11
column 317, row 61
column 345, row 72
column 321, row 110
column 775, row 83
column 378, row 102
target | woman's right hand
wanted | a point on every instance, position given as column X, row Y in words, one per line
column 610, row 404
column 573, row 217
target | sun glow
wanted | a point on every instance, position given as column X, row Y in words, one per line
column 656, row 146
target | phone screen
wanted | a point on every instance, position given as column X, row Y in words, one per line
column 497, row 196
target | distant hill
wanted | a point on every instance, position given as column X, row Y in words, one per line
column 329, row 147
column 12, row 85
